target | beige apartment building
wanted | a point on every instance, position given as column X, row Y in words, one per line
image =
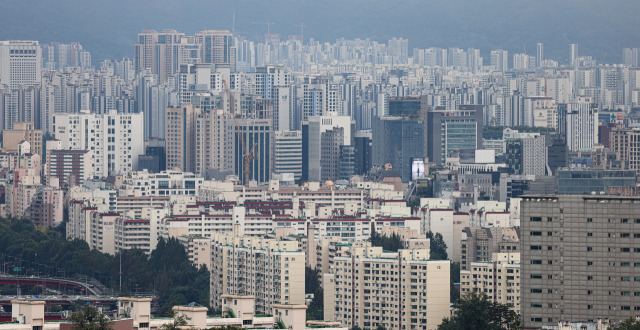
column 270, row 270
column 180, row 137
column 579, row 259
column 499, row 279
column 371, row 288
column 22, row 131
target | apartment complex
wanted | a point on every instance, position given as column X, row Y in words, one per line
column 577, row 259
column 370, row 288
column 22, row 131
column 115, row 139
column 499, row 279
column 270, row 270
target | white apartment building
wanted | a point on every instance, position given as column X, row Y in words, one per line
column 371, row 288
column 115, row 139
column 270, row 270
column 166, row 183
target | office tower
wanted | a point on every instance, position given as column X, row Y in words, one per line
column 449, row 130
column 214, row 147
column 154, row 159
column 364, row 151
column 20, row 63
column 217, row 47
column 314, row 131
column 180, row 137
column 498, row 278
column 115, row 140
column 288, row 153
column 540, row 55
column 252, row 141
column 397, row 140
column 369, row 288
column 500, row 60
column 581, row 125
column 270, row 270
column 577, row 259
column 574, row 54
column 527, row 155
column 403, row 106
column 22, row 131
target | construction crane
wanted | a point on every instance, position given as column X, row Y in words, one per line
column 247, row 155
column 268, row 24
column 301, row 26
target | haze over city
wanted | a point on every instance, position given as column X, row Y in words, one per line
column 305, row 165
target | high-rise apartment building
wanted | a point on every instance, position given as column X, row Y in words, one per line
column 163, row 52
column 500, row 60
column 270, row 270
column 68, row 167
column 180, row 137
column 115, row 139
column 625, row 142
column 288, row 153
column 578, row 259
column 370, row 288
column 213, row 147
column 499, row 279
column 218, row 47
column 20, row 63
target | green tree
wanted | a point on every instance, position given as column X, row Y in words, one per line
column 389, row 243
column 315, row 311
column 476, row 311
column 454, row 293
column 89, row 318
column 628, row 324
column 311, row 281
column 438, row 246
column 178, row 321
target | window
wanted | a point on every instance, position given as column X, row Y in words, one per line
column 536, row 219
column 536, row 305
column 536, row 262
column 535, row 233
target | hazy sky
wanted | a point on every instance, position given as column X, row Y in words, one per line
column 108, row 28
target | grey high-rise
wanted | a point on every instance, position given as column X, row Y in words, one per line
column 579, row 259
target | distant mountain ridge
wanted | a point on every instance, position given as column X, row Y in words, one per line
column 108, row 29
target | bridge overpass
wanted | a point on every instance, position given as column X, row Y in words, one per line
column 92, row 287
